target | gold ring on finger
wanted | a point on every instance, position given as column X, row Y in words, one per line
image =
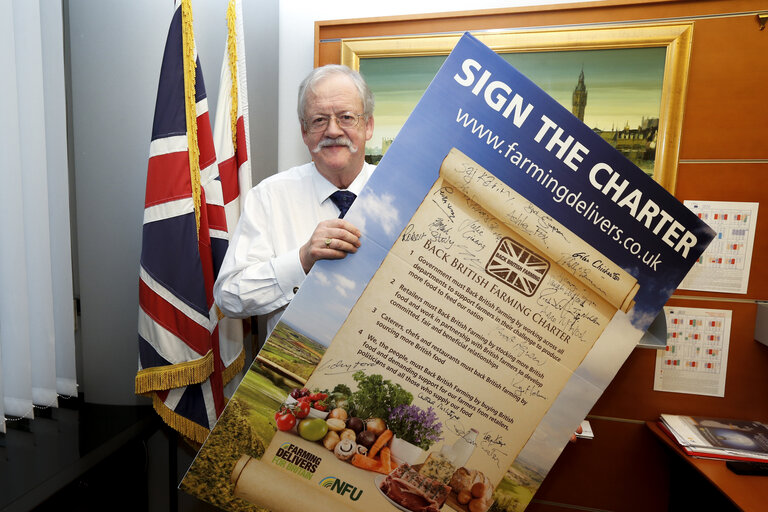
column 328, row 242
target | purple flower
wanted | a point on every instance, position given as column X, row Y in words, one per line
column 413, row 424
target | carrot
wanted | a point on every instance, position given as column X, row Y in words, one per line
column 367, row 463
column 386, row 459
column 380, row 443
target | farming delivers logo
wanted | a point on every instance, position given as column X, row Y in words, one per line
column 296, row 460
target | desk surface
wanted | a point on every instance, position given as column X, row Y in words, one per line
column 35, row 464
column 749, row 493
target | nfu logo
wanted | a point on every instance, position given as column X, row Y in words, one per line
column 341, row 487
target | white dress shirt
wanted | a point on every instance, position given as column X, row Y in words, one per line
column 261, row 271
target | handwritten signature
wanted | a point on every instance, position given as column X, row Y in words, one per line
column 484, row 178
column 410, row 236
column 440, row 232
column 444, row 203
column 449, row 413
column 519, row 349
column 578, row 264
column 521, row 388
column 472, row 231
column 492, row 445
column 567, row 321
column 571, row 308
column 426, row 397
column 470, row 258
column 489, row 442
column 340, row 367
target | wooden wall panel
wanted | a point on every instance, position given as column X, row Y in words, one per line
column 631, row 394
column 532, row 16
column 328, row 53
column 726, row 115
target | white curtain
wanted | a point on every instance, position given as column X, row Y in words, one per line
column 37, row 348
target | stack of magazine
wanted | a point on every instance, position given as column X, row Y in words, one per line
column 718, row 438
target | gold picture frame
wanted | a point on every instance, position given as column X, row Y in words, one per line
column 675, row 38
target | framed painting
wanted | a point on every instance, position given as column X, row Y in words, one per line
column 626, row 82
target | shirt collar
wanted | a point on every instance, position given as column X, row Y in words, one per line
column 324, row 188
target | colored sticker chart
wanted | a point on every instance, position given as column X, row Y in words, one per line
column 724, row 266
column 695, row 358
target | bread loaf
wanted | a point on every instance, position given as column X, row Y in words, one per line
column 464, row 479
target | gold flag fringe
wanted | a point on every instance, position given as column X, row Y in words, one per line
column 153, row 379
column 159, row 378
column 182, row 425
column 188, row 51
column 232, row 51
column 231, row 371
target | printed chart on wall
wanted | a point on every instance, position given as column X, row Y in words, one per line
column 511, row 261
column 695, row 359
column 724, row 266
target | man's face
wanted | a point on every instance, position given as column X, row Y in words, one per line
column 337, row 151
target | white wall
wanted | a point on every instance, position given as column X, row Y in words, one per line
column 297, row 33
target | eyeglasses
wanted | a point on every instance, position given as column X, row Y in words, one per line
column 319, row 122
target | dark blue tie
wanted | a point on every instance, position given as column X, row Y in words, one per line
column 343, row 200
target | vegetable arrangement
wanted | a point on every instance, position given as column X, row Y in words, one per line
column 375, row 396
column 355, row 428
column 317, row 400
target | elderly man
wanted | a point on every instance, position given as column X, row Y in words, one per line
column 294, row 218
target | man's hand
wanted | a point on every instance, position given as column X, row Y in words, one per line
column 331, row 240
column 574, row 438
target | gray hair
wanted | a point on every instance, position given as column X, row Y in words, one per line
column 323, row 72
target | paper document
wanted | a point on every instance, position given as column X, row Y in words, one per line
column 724, row 266
column 695, row 359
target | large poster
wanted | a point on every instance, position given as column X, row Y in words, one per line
column 511, row 260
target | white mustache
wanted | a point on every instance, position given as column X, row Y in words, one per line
column 338, row 141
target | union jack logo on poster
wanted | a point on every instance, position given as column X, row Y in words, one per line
column 517, row 266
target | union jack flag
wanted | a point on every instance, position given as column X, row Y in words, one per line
column 183, row 243
column 231, row 132
column 231, row 138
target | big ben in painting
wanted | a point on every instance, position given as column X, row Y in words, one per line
column 580, row 98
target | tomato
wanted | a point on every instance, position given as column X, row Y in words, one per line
column 313, row 429
column 320, row 406
column 285, row 420
column 301, row 409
